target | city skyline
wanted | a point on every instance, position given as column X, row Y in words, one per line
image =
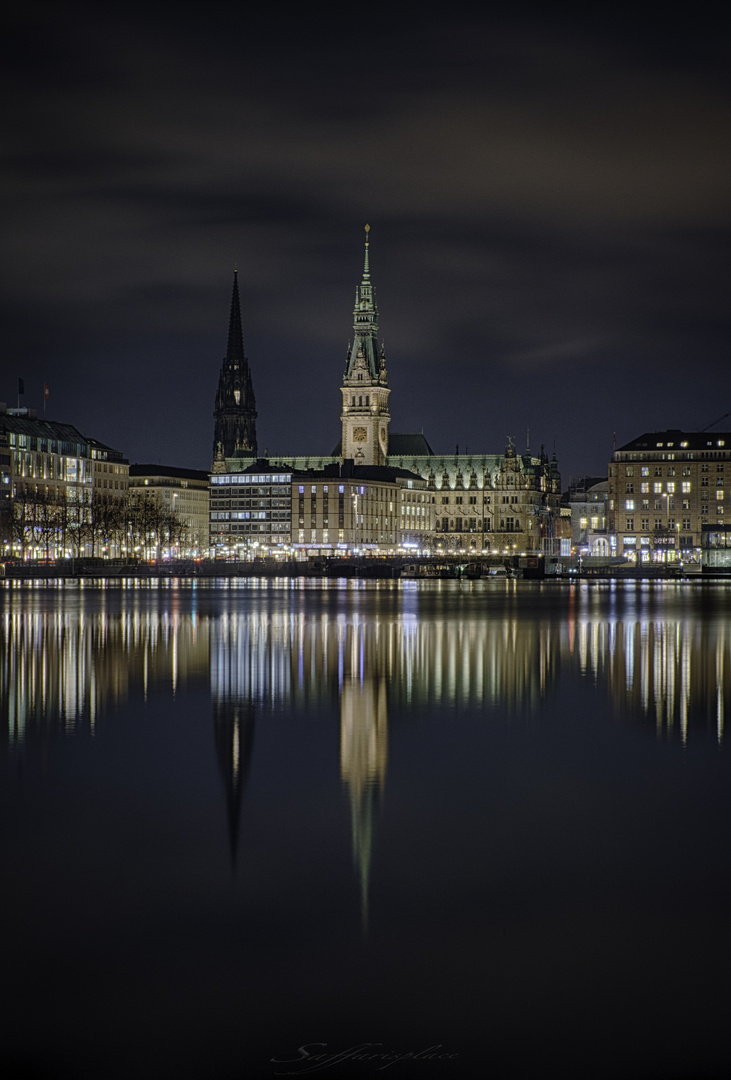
column 547, row 201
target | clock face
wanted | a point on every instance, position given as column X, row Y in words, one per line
column 360, row 434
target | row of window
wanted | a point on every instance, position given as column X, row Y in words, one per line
column 47, row 446
column 258, row 527
column 249, row 515
column 459, row 500
column 658, row 524
column 635, row 455
column 632, row 504
column 250, row 478
column 685, row 542
column 507, row 524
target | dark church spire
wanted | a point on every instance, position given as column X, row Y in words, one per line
column 235, row 411
column 235, row 332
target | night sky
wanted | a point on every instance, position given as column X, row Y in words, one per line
column 549, row 202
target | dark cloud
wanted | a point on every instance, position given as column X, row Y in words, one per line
column 549, row 202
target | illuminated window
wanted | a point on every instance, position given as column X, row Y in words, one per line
column 629, row 504
column 671, row 487
column 657, row 488
column 644, row 488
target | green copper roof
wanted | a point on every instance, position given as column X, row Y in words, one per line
column 365, row 324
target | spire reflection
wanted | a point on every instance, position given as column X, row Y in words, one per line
column 233, row 730
column 363, row 743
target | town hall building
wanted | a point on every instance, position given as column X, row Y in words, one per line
column 506, row 503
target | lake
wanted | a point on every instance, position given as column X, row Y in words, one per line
column 355, row 829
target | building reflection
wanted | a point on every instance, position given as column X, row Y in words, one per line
column 65, row 670
column 363, row 744
column 674, row 675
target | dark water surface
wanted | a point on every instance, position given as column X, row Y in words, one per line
column 482, row 824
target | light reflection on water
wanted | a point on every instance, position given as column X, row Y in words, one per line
column 66, row 660
column 475, row 755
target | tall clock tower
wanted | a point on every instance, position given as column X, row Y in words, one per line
column 365, row 416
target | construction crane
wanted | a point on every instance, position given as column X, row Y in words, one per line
column 709, row 426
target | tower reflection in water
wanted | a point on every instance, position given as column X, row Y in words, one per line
column 67, row 666
column 284, row 660
column 248, row 668
column 363, row 742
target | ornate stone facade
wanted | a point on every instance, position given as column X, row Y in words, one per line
column 507, row 503
column 365, row 417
